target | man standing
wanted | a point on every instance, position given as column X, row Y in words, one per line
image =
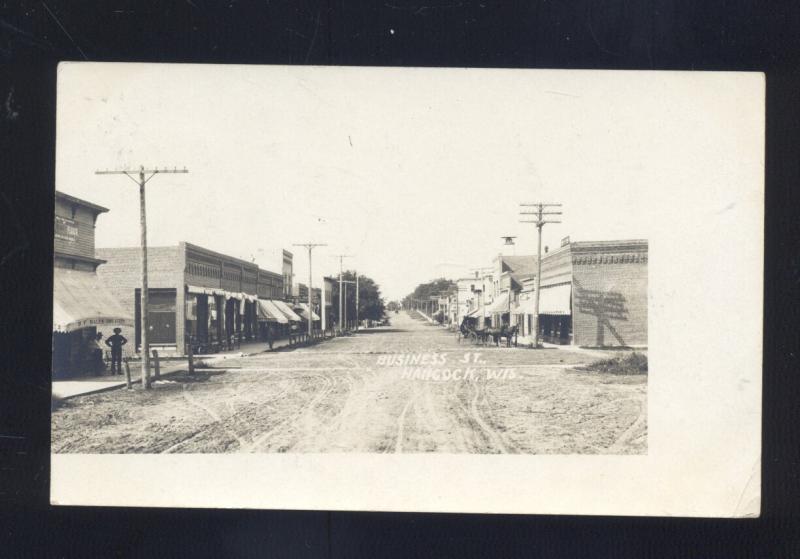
column 116, row 342
column 270, row 335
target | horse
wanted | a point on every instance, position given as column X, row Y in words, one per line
column 494, row 334
column 509, row 332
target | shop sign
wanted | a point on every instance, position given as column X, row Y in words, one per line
column 66, row 229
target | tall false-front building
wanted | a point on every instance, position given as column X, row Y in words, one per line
column 82, row 306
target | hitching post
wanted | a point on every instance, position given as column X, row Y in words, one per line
column 157, row 363
column 128, row 374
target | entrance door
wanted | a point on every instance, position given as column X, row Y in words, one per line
column 160, row 315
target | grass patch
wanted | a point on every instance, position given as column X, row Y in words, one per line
column 631, row 364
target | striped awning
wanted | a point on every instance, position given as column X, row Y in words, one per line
column 303, row 309
column 269, row 312
column 289, row 313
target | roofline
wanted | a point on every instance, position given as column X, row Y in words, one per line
column 75, row 200
column 185, row 244
column 613, row 244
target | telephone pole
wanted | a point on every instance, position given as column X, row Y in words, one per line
column 356, row 300
column 345, row 282
column 310, row 246
column 539, row 212
column 341, row 271
column 144, row 176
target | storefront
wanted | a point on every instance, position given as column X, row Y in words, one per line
column 272, row 323
column 555, row 314
column 307, row 314
column 499, row 310
column 216, row 319
column 84, row 315
column 592, row 294
column 196, row 296
column 294, row 320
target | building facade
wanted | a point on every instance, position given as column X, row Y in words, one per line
column 82, row 307
column 592, row 294
column 197, row 296
column 287, row 270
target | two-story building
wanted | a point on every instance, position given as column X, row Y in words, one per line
column 82, row 306
column 198, row 296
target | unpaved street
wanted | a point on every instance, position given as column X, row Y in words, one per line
column 362, row 394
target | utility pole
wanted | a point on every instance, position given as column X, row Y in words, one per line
column 144, row 176
column 356, row 300
column 310, row 246
column 345, row 282
column 539, row 212
column 341, row 271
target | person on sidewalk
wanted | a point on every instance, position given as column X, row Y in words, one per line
column 96, row 365
column 270, row 336
column 116, row 342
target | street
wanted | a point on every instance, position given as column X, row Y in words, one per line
column 410, row 387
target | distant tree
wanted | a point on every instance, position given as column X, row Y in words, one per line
column 370, row 302
column 424, row 291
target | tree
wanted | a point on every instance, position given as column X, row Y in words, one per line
column 424, row 291
column 370, row 302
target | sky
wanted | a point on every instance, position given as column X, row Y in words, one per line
column 416, row 173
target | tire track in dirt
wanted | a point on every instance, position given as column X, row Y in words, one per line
column 217, row 421
column 491, row 434
column 492, row 421
column 474, row 440
column 398, row 446
column 294, row 418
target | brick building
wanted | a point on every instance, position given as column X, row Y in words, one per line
column 197, row 296
column 593, row 294
column 82, row 307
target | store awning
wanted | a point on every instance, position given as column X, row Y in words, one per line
column 269, row 312
column 80, row 300
column 476, row 312
column 499, row 305
column 555, row 300
column 304, row 311
column 205, row 290
column 197, row 290
column 523, row 307
column 289, row 313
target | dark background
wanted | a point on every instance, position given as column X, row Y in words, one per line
column 643, row 34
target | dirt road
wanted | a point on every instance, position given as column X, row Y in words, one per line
column 407, row 388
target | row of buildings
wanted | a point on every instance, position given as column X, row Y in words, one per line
column 592, row 294
column 196, row 296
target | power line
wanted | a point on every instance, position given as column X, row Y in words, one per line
column 341, row 257
column 144, row 296
column 539, row 220
column 310, row 247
